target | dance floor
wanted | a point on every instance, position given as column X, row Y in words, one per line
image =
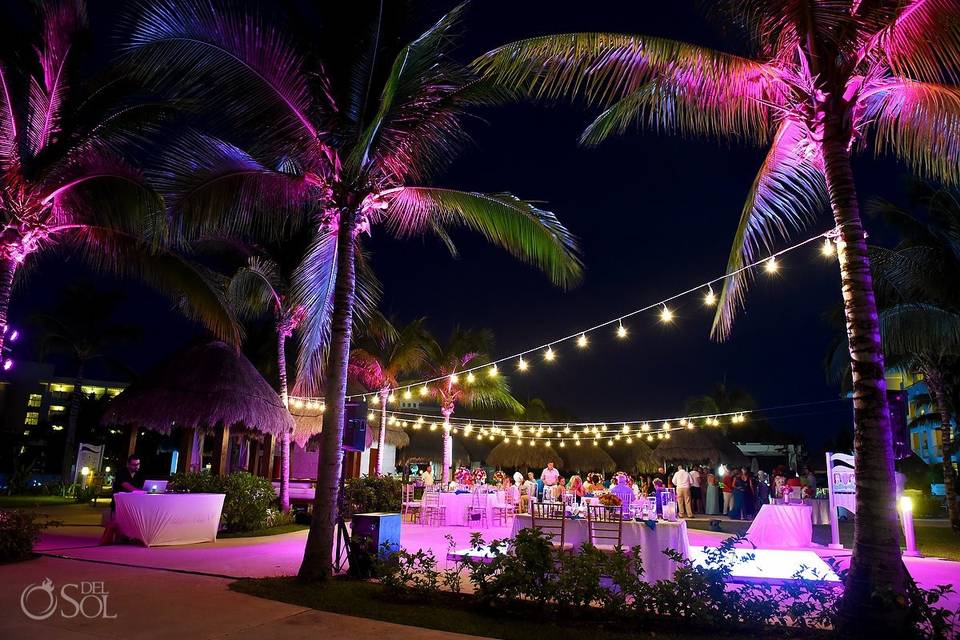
column 773, row 565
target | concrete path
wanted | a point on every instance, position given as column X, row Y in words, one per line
column 151, row 604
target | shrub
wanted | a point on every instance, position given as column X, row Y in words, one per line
column 248, row 503
column 19, row 530
column 372, row 493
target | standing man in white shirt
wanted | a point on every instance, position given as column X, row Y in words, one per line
column 549, row 477
column 695, row 496
column 427, row 477
column 681, row 480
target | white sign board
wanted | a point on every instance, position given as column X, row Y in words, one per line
column 842, row 486
column 89, row 456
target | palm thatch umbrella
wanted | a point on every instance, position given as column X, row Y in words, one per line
column 507, row 455
column 428, row 445
column 394, row 435
column 699, row 445
column 200, row 387
column 586, row 459
column 637, row 457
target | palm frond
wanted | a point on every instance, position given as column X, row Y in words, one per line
column 255, row 288
column 923, row 41
column 920, row 124
column 607, row 68
column 197, row 291
column 921, row 329
column 8, row 123
column 525, row 231
column 787, row 194
column 235, row 62
column 312, row 289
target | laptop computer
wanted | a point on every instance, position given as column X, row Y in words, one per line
column 155, row 486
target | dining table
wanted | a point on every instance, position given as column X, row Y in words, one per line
column 166, row 519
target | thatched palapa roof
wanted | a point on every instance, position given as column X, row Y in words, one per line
column 635, row 457
column 508, row 455
column 429, row 445
column 201, row 386
column 587, row 458
column 700, row 445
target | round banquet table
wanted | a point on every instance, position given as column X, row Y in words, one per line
column 652, row 542
column 457, row 503
column 785, row 526
column 164, row 519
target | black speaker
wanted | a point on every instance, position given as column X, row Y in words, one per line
column 354, row 426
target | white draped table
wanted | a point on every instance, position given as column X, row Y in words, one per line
column 163, row 519
column 457, row 503
column 783, row 526
column 652, row 542
column 821, row 510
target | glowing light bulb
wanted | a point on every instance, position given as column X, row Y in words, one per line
column 492, row 372
column 582, row 341
column 827, row 249
column 710, row 298
column 666, row 436
column 471, row 378
column 562, row 445
column 645, row 426
column 666, row 426
column 522, row 364
column 621, row 330
column 454, row 378
column 391, row 398
column 596, row 443
column 371, row 416
column 576, row 442
column 650, row 438
column 666, row 315
column 375, row 400
column 424, row 391
column 771, row 266
column 549, row 355
column 407, row 394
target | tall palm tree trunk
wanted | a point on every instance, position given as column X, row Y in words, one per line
column 876, row 565
column 8, row 269
column 69, row 449
column 937, row 385
column 285, row 436
column 318, row 554
column 447, row 445
column 382, row 440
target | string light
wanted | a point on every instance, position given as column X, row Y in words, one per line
column 522, row 364
column 710, row 298
column 492, row 372
column 407, row 394
column 391, row 398
column 454, row 378
column 621, row 330
column 666, row 316
column 771, row 265
column 424, row 391
column 549, row 355
column 471, row 378
column 827, row 249
column 582, row 341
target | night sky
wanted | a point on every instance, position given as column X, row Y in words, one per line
column 655, row 215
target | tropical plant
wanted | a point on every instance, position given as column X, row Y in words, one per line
column 81, row 326
column 348, row 145
column 823, row 78
column 380, row 356
column 64, row 180
column 255, row 289
column 916, row 284
column 446, row 363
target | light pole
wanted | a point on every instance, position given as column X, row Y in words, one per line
column 906, row 515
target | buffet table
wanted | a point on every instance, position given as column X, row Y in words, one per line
column 783, row 526
column 163, row 519
column 652, row 542
column 457, row 503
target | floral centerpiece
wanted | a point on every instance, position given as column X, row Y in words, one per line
column 463, row 477
column 610, row 500
column 479, row 476
column 498, row 477
column 785, row 493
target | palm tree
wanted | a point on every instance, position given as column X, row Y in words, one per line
column 721, row 400
column 465, row 349
column 823, row 78
column 349, row 145
column 255, row 289
column 82, row 327
column 64, row 182
column 380, row 356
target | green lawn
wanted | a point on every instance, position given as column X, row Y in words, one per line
column 25, row 502
column 451, row 613
column 933, row 539
column 271, row 531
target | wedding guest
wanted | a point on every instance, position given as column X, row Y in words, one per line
column 728, row 481
column 763, row 490
column 711, row 500
column 681, row 480
column 749, row 496
column 695, row 496
column 127, row 480
column 427, row 477
column 550, row 476
column 625, row 493
column 741, row 484
column 558, row 489
column 517, row 478
column 576, row 488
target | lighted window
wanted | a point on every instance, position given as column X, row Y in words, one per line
column 61, row 388
column 57, row 427
column 97, row 391
column 915, row 441
column 55, row 408
column 114, row 392
column 32, row 418
column 34, row 400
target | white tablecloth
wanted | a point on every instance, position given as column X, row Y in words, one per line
column 457, row 503
column 821, row 510
column 652, row 542
column 169, row 518
column 783, row 526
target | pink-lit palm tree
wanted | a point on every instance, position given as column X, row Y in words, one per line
column 342, row 147
column 466, row 349
column 380, row 356
column 823, row 79
column 259, row 288
column 63, row 180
